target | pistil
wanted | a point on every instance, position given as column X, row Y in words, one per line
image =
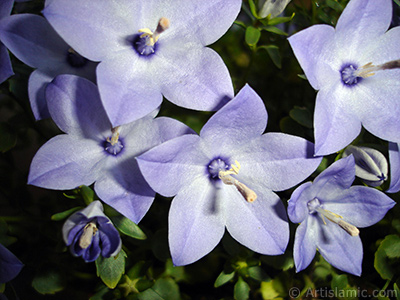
column 88, row 232
column 225, row 175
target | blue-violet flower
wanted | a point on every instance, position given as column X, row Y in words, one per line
column 394, row 160
column 89, row 232
column 92, row 151
column 355, row 68
column 10, row 265
column 225, row 178
column 5, row 63
column 329, row 211
column 150, row 49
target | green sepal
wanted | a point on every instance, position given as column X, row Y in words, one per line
column 65, row 214
column 280, row 20
column 111, row 269
column 241, row 290
column 273, row 29
column 224, row 277
column 128, row 227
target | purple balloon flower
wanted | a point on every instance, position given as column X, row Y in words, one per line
column 355, row 68
column 149, row 49
column 89, row 232
column 5, row 63
column 33, row 41
column 329, row 211
column 10, row 265
column 91, row 151
column 225, row 178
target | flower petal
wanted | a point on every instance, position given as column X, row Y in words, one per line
column 38, row 81
column 200, row 81
column 361, row 206
column 312, row 49
column 110, row 240
column 65, row 163
column 75, row 106
column 335, row 126
column 5, row 64
column 124, row 188
column 261, row 225
column 240, row 120
column 127, row 90
column 297, row 204
column 277, row 160
column 195, row 222
column 171, row 166
column 305, row 243
column 10, row 265
column 340, row 249
column 394, row 158
column 6, row 8
column 362, row 22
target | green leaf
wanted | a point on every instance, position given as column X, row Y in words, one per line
column 302, row 116
column 392, row 246
column 128, row 227
column 258, row 274
column 274, row 29
column 48, row 281
column 223, row 278
column 335, row 5
column 280, row 20
column 274, row 54
column 252, row 36
column 339, row 282
column 65, row 214
column 110, row 269
column 253, row 9
column 397, row 289
column 241, row 290
column 288, row 125
column 397, row 2
column 163, row 289
column 8, row 137
column 382, row 263
column 87, row 194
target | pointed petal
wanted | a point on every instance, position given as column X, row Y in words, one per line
column 305, row 243
column 5, row 8
column 337, row 177
column 277, row 160
column 379, row 104
column 38, row 81
column 394, row 158
column 361, row 206
column 75, row 106
column 312, row 48
column 195, row 222
column 261, row 225
column 194, row 78
column 5, row 64
column 201, row 21
column 240, row 120
column 340, row 249
column 297, row 204
column 127, row 90
column 10, row 265
column 174, row 164
column 107, row 24
column 32, row 40
column 335, row 126
column 124, row 188
column 362, row 22
column 65, row 163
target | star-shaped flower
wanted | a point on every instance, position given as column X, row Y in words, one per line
column 330, row 210
column 149, row 49
column 89, row 232
column 5, row 63
column 91, row 151
column 10, row 265
column 33, row 41
column 225, row 178
column 355, row 68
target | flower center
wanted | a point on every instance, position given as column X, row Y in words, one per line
column 215, row 166
column 225, row 175
column 145, row 44
column 314, row 206
column 75, row 60
column 114, row 145
column 89, row 231
column 352, row 74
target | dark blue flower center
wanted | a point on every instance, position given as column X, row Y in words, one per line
column 75, row 60
column 348, row 73
column 141, row 45
column 113, row 149
column 216, row 165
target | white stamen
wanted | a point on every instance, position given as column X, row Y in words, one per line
column 248, row 194
column 152, row 37
column 88, row 232
column 115, row 136
column 337, row 219
column 368, row 69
